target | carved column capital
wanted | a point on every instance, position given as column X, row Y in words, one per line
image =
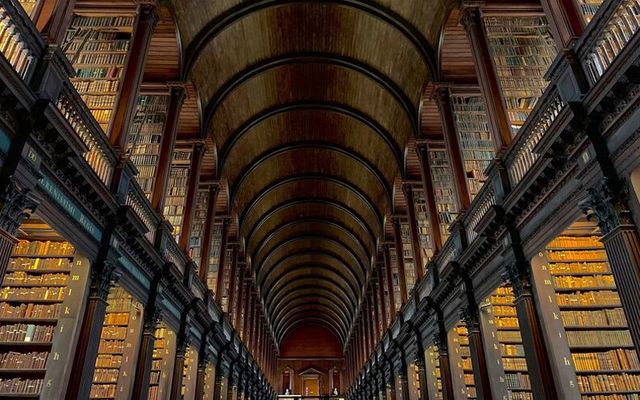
column 470, row 16
column 16, row 205
column 607, row 203
column 103, row 278
column 519, row 277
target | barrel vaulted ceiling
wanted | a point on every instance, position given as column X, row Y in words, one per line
column 310, row 105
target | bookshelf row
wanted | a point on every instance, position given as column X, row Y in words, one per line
column 444, row 189
column 422, row 219
column 175, row 198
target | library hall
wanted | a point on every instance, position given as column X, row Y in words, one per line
column 320, row 199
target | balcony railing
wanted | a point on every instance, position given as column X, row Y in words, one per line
column 175, row 255
column 19, row 42
column 482, row 204
column 611, row 36
column 100, row 155
column 521, row 157
column 141, row 206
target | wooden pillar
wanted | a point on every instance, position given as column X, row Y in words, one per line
column 497, row 114
column 383, row 308
column 232, row 280
column 241, row 293
column 53, row 19
column 376, row 310
column 454, row 152
column 565, row 21
column 471, row 317
column 219, row 390
column 608, row 203
column 538, row 362
column 167, row 145
column 402, row 384
column 391, row 384
column 221, row 260
column 192, row 195
column 125, row 107
column 402, row 277
column 429, row 194
column 413, row 228
column 203, row 269
column 390, row 288
column 440, row 341
column 103, row 276
column 422, row 374
column 245, row 321
column 203, row 363
column 147, row 342
column 178, row 367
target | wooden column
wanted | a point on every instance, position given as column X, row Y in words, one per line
column 422, row 374
column 125, row 106
column 402, row 384
column 608, row 203
column 147, row 342
column 440, row 341
column 219, row 392
column 565, row 21
column 54, row 18
column 413, row 228
column 221, row 260
column 383, row 308
column 429, row 194
column 497, row 114
column 203, row 269
column 103, row 276
column 178, row 368
column 376, row 310
column 456, row 162
column 402, row 277
column 538, row 362
column 203, row 363
column 167, row 145
column 391, row 385
column 240, row 302
column 390, row 289
column 192, row 195
column 232, row 280
column 481, row 378
column 245, row 321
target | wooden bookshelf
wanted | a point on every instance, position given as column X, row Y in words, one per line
column 522, row 50
column 189, row 374
column 507, row 339
column 214, row 256
column 174, row 205
column 164, row 354
column 199, row 222
column 595, row 326
column 225, row 303
column 460, row 359
column 414, row 376
column 43, row 278
column 119, row 341
column 434, row 378
column 209, row 381
column 395, row 276
column 476, row 142
column 145, row 137
column 407, row 252
column 444, row 189
column 422, row 219
column 98, row 48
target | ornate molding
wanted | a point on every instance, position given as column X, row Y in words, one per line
column 607, row 202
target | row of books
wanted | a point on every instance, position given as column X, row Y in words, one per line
column 38, row 264
column 16, row 360
column 598, row 298
column 16, row 386
column 611, row 338
column 113, row 332
column 108, row 361
column 43, row 248
column 93, row 22
column 571, row 282
column 117, row 318
column 106, row 375
column 101, row 58
column 612, row 360
column 32, row 294
column 111, row 346
column 517, row 381
column 630, row 396
column 606, row 317
column 99, row 391
column 609, row 383
column 103, row 42
column 582, row 255
column 22, row 278
column 579, row 268
column 517, row 364
column 26, row 333
column 30, row 311
column 99, row 101
column 575, row 241
column 99, row 72
column 511, row 350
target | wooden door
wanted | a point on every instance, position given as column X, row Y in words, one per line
column 311, row 386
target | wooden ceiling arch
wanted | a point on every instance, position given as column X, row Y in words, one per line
column 309, row 106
